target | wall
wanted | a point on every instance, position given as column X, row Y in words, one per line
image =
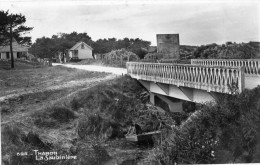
column 169, row 45
column 85, row 53
column 3, row 55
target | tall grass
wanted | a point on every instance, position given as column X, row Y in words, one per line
column 53, row 117
column 230, row 127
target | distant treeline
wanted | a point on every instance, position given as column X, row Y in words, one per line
column 228, row 51
column 46, row 47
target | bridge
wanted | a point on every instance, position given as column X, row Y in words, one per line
column 200, row 82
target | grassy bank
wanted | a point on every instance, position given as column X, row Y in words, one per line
column 90, row 124
column 90, row 120
column 18, row 80
column 227, row 132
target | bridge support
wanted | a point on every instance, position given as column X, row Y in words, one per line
column 174, row 105
column 175, row 92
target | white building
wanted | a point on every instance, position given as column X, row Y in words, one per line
column 18, row 51
column 80, row 51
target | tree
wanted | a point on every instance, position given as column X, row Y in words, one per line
column 43, row 47
column 47, row 47
column 3, row 27
column 136, row 46
column 12, row 28
column 133, row 45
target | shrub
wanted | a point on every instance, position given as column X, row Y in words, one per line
column 5, row 110
column 13, row 135
column 62, row 114
column 42, row 121
column 95, row 154
column 14, row 140
column 53, row 117
column 95, row 125
column 76, row 104
column 230, row 126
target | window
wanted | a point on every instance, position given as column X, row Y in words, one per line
column 76, row 52
column 7, row 55
column 82, row 46
column 19, row 54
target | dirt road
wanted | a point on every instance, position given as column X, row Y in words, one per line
column 27, row 102
column 117, row 71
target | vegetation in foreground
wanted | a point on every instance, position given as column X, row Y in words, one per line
column 92, row 124
column 227, row 132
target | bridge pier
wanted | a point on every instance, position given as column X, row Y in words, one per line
column 174, row 105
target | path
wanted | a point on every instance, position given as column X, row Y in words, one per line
column 34, row 106
column 117, row 71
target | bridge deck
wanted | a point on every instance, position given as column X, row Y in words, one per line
column 210, row 78
column 252, row 66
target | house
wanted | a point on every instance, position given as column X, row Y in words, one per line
column 80, row 51
column 18, row 51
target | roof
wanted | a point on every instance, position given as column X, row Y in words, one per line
column 78, row 44
column 16, row 48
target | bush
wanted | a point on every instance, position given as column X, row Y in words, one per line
column 153, row 56
column 42, row 121
column 228, row 51
column 76, row 104
column 95, row 125
column 53, row 117
column 62, row 114
column 14, row 140
column 13, row 135
column 229, row 127
column 95, row 154
column 5, row 110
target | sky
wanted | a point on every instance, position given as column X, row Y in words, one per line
column 197, row 22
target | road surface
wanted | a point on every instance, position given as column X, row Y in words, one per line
column 117, row 71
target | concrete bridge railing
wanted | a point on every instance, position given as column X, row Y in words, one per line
column 210, row 78
column 252, row 66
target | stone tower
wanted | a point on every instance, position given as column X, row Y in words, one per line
column 168, row 45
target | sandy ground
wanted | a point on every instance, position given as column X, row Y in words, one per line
column 32, row 106
column 69, row 84
column 117, row 71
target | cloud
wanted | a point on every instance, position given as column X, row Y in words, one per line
column 197, row 23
